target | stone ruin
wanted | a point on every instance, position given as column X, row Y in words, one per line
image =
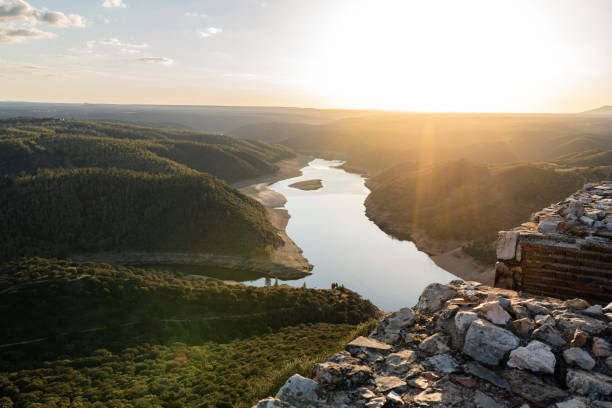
column 468, row 345
column 565, row 251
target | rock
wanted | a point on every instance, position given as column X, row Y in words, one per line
column 601, row 348
column 523, row 327
column 608, row 309
column 572, row 403
column 579, row 357
column 531, row 387
column 445, row 394
column 272, row 403
column 587, row 383
column 442, row 363
column 536, row 307
column 595, row 310
column 579, row 339
column 399, row 363
column 569, row 322
column 586, row 220
column 436, row 344
column 544, row 319
column 467, row 382
column 365, row 393
column 576, row 303
column 548, row 226
column 483, row 400
column 348, row 375
column 549, row 334
column 573, row 207
column 433, row 298
column 485, row 374
column 505, row 247
column 503, row 276
column 394, row 398
column 488, row 343
column 463, row 321
column 389, row 329
column 365, row 344
column 377, row 402
column 387, row 383
column 609, row 362
column 298, row 389
column 494, row 312
column 519, row 311
column 536, row 357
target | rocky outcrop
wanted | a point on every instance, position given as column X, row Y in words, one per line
column 468, row 345
column 564, row 251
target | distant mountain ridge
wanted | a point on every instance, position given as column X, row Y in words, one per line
column 602, row 110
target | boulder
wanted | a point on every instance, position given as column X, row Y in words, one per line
column 488, row 343
column 494, row 312
column 298, row 390
column 436, row 344
column 485, row 374
column 588, row 383
column 579, row 357
column 572, row 403
column 535, row 357
column 390, row 327
column 367, row 345
column 549, row 334
column 544, row 319
column 442, row 363
column 595, row 310
column 531, row 387
column 395, row 398
column 576, row 303
column 271, row 402
column 433, row 298
column 601, row 348
column 387, row 383
column 569, row 322
column 483, row 400
column 505, row 247
column 400, row 363
column 348, row 375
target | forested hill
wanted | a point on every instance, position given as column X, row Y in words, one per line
column 27, row 145
column 60, row 212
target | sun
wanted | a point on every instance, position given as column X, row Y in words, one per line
column 437, row 56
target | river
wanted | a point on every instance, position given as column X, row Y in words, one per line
column 345, row 247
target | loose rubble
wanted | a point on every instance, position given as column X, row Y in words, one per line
column 468, row 345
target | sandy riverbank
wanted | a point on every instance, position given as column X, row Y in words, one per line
column 289, row 254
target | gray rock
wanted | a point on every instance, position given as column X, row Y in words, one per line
column 576, row 303
column 445, row 394
column 298, row 390
column 349, row 375
column 595, row 310
column 442, row 363
column 579, row 357
column 505, row 247
column 544, row 319
column 536, row 357
column 395, row 398
column 547, row 226
column 488, row 343
column 572, row 403
column 399, row 363
column 484, row 373
column 390, row 327
column 536, row 307
column 436, row 344
column 586, row 220
column 494, row 312
column 364, row 344
column 531, row 387
column 433, row 298
column 272, row 403
column 387, row 383
column 549, row 334
column 377, row 402
column 569, row 322
column 608, row 308
column 601, row 348
column 523, row 327
column 587, row 383
column 483, row 400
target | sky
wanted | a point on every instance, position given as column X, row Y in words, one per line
column 413, row 55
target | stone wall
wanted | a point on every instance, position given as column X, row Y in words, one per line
column 466, row 345
column 565, row 251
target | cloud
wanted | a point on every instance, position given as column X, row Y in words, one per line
column 210, row 31
column 124, row 48
column 156, row 60
column 22, row 11
column 194, row 14
column 17, row 35
column 113, row 4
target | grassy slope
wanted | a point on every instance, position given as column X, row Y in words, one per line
column 160, row 339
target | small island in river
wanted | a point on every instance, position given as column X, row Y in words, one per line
column 308, row 185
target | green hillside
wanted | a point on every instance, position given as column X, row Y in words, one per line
column 464, row 200
column 60, row 212
column 29, row 144
column 97, row 336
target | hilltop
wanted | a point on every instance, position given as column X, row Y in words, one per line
column 602, row 110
